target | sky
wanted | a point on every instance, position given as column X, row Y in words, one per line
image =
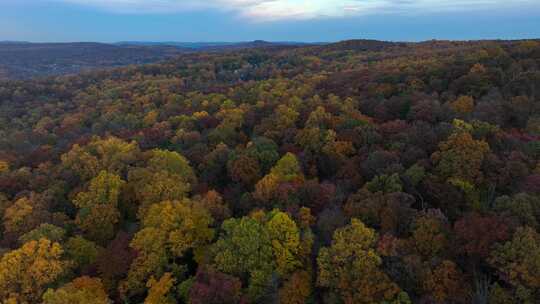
column 272, row 20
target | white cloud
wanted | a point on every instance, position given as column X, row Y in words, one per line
column 269, row 10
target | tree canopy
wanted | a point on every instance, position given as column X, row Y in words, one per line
column 352, row 172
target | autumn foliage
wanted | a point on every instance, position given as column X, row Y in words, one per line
column 356, row 172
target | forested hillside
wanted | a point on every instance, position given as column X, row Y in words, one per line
column 25, row 60
column 356, row 172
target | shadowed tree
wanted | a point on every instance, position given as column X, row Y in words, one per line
column 518, row 262
column 213, row 287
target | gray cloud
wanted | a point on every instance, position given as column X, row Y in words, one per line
column 268, row 10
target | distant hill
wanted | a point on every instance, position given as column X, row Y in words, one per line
column 362, row 45
column 255, row 44
column 23, row 60
column 13, row 42
column 215, row 46
column 189, row 45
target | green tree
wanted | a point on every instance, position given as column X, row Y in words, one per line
column 523, row 206
column 244, row 249
column 385, row 183
column 287, row 168
column 81, row 251
column 47, row 231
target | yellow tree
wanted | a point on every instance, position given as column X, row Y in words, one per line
column 83, row 290
column 460, row 157
column 25, row 272
column 350, row 267
column 4, row 166
column 98, row 206
column 167, row 176
column 284, row 118
column 159, row 290
column 463, row 105
column 17, row 216
column 170, row 229
column 319, row 118
column 24, row 215
column 285, row 238
column 286, row 170
column 111, row 154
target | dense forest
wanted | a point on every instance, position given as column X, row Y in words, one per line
column 355, row 172
column 25, row 60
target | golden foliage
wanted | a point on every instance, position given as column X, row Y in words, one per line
column 83, row 290
column 25, row 272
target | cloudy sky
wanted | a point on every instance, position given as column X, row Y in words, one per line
column 276, row 20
